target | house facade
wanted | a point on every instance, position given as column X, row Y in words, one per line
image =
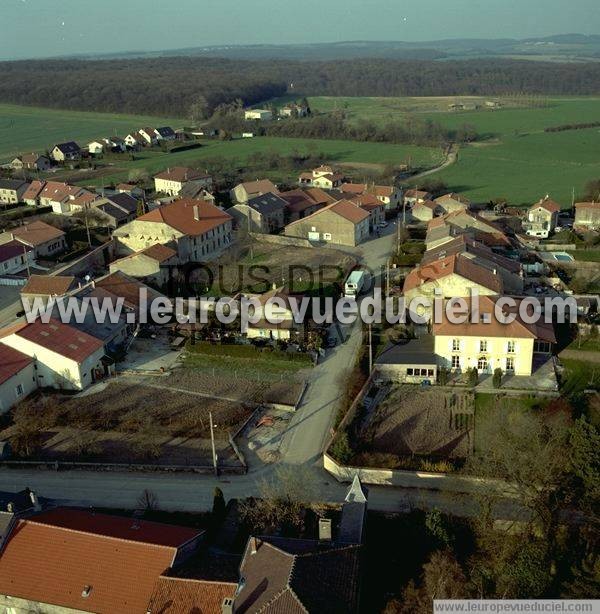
column 258, row 115
column 45, row 240
column 262, row 214
column 66, row 152
column 17, row 377
column 199, row 230
column 487, row 346
column 542, row 218
column 12, row 191
column 173, row 180
column 31, row 161
column 15, row 257
column 243, row 192
column 341, row 223
column 587, row 216
column 66, row 358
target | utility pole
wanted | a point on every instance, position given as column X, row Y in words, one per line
column 212, row 441
column 87, row 227
column 387, row 277
column 26, row 261
column 370, row 350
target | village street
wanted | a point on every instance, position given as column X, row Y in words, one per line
column 302, row 444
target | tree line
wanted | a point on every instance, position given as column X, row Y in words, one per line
column 173, row 86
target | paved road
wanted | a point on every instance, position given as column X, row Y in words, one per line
column 302, row 444
column 305, row 438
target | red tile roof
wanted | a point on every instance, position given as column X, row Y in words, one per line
column 48, row 285
column 58, row 556
column 587, row 205
column 36, row 233
column 119, row 285
column 515, row 329
column 12, row 249
column 118, row 527
column 344, row 208
column 180, row 174
column 60, row 338
column 548, row 204
column 453, row 265
column 12, row 362
column 159, row 252
column 181, row 214
column 260, row 186
column 186, row 596
column 34, row 189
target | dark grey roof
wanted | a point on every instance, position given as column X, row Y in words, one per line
column 125, row 201
column 354, row 511
column 267, row 203
column 21, row 500
column 115, row 212
column 11, row 184
column 416, row 351
column 104, row 331
column 166, row 131
column 70, row 147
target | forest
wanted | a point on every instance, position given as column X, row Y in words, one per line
column 171, row 86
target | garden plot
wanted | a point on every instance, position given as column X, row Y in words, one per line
column 412, row 422
column 136, row 422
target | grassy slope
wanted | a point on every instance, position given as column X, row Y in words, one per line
column 25, row 129
column 240, row 151
column 519, row 161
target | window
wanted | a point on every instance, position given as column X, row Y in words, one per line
column 19, row 390
column 327, row 236
column 456, row 362
column 482, row 364
column 511, row 347
column 510, row 364
column 410, row 371
column 456, row 345
column 483, row 346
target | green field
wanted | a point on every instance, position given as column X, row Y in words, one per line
column 516, row 159
column 27, row 129
column 240, row 152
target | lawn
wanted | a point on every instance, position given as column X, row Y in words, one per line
column 240, row 152
column 586, row 255
column 26, row 129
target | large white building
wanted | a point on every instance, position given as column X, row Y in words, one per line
column 66, row 358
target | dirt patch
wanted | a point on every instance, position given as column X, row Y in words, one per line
column 411, row 422
column 255, row 265
column 121, row 422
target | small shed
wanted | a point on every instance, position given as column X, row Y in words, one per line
column 411, row 362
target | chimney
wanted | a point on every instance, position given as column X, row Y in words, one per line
column 227, row 606
column 35, row 501
column 253, row 545
column 325, row 529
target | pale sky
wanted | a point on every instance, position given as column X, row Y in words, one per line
column 41, row 28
